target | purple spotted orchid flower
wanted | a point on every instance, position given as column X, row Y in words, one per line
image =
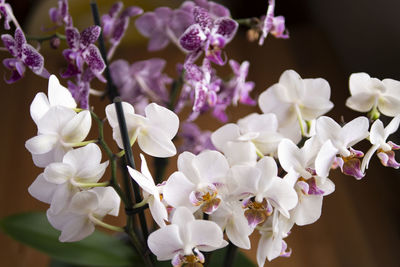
column 165, row 25
column 140, row 82
column 208, row 35
column 24, row 55
column 233, row 91
column 202, row 86
column 82, row 50
column 238, row 86
column 60, row 15
column 115, row 23
column 273, row 25
column 81, row 88
column 216, row 10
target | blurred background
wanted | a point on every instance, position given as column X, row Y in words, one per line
column 360, row 221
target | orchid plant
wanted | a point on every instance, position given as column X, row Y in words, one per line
column 265, row 173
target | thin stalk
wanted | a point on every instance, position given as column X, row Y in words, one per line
column 300, row 119
column 113, row 96
column 230, row 255
column 105, row 225
column 113, row 164
column 47, row 37
column 245, row 22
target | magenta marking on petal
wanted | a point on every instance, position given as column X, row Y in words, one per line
column 226, row 27
column 337, row 163
column 352, row 167
column 9, row 43
column 119, row 30
column 254, row 217
column 284, row 252
column 210, row 206
column 202, row 18
column 19, row 38
column 393, row 145
column 387, row 159
column 73, row 36
column 199, row 255
column 32, row 58
column 115, row 9
column 90, row 35
column 94, row 60
column 313, row 188
column 177, row 260
column 191, row 40
column 356, row 153
column 131, row 11
column 304, row 187
column 196, row 198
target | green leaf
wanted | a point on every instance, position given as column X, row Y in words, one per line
column 217, row 260
column 218, row 256
column 99, row 249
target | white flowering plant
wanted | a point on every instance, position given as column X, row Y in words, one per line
column 263, row 174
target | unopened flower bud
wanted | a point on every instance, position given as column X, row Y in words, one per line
column 252, row 35
column 55, row 42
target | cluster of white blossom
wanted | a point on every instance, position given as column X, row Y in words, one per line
column 270, row 171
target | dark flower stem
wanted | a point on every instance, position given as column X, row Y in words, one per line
column 230, row 255
column 113, row 95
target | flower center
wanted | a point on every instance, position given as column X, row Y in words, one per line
column 257, row 212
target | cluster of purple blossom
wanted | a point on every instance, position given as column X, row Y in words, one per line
column 267, row 172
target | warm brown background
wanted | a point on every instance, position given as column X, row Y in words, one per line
column 330, row 39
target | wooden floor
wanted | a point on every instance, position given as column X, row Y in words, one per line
column 360, row 221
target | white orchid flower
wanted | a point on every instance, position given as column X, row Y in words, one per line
column 59, row 129
column 197, row 182
column 269, row 190
column 184, row 238
column 60, row 181
column 294, row 100
column 307, row 172
column 258, row 130
column 151, row 192
column 230, row 216
column 58, row 95
column 370, row 93
column 153, row 132
column 310, row 193
column 340, row 141
column 86, row 209
column 378, row 137
column 271, row 244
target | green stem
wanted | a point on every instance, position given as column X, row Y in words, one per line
column 89, row 185
column 374, row 114
column 96, row 221
column 245, row 22
column 300, row 119
column 41, row 39
column 113, row 164
column 141, row 203
column 79, row 144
